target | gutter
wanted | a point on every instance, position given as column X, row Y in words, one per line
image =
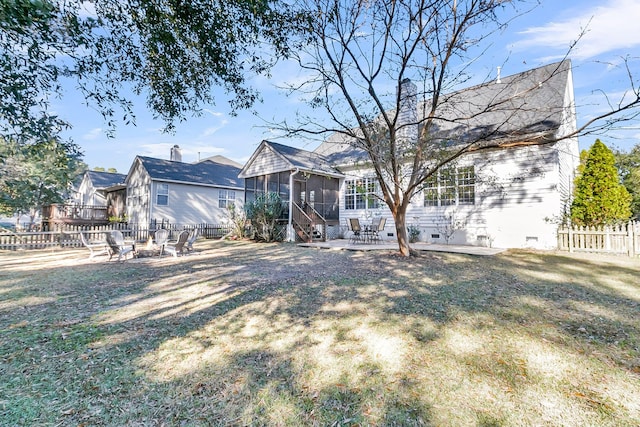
column 290, row 224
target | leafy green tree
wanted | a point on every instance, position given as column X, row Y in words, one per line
column 599, row 198
column 35, row 175
column 264, row 212
column 629, row 166
column 172, row 51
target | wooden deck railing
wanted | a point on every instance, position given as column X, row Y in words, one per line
column 59, row 212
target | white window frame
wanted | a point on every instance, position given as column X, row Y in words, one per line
column 367, row 198
column 162, row 190
column 450, row 186
column 226, row 198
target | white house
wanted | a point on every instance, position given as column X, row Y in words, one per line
column 182, row 193
column 94, row 186
column 506, row 192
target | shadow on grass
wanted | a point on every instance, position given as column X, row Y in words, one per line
column 281, row 335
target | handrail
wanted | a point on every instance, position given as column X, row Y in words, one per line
column 306, row 217
column 300, row 218
column 316, row 214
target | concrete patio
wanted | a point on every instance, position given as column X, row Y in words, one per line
column 345, row 244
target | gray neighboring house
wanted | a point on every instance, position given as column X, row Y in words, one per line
column 182, row 193
column 501, row 194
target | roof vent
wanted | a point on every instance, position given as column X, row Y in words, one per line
column 498, row 76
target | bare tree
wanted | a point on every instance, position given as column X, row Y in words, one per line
column 369, row 61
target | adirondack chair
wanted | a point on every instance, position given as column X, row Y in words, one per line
column 117, row 246
column 161, row 238
column 95, row 248
column 193, row 236
column 175, row 248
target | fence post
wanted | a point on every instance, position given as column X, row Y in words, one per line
column 630, row 240
column 570, row 232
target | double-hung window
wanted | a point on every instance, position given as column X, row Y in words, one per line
column 226, row 198
column 451, row 186
column 362, row 193
column 162, row 195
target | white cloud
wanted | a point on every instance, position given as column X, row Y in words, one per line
column 213, row 113
column 608, row 28
column 93, row 134
column 213, row 129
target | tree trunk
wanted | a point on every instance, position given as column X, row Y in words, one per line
column 400, row 216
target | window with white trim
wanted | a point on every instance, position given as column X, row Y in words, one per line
column 451, row 186
column 226, row 198
column 361, row 193
column 162, row 195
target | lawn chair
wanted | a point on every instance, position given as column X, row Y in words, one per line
column 356, row 230
column 376, row 231
column 175, row 248
column 96, row 248
column 117, row 246
column 161, row 238
column 193, row 236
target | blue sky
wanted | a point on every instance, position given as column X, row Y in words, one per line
column 537, row 38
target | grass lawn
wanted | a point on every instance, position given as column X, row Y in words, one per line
column 279, row 335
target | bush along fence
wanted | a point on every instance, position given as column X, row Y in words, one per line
column 615, row 239
column 67, row 236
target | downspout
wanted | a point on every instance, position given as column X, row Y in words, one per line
column 290, row 232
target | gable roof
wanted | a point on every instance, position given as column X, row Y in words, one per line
column 525, row 106
column 207, row 172
column 221, row 159
column 102, row 180
column 294, row 158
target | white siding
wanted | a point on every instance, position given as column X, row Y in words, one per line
column 266, row 162
column 87, row 193
column 138, row 195
column 192, row 204
column 517, row 192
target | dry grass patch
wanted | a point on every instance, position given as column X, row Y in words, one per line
column 278, row 335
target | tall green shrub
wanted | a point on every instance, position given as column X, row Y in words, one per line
column 264, row 212
column 629, row 166
column 599, row 198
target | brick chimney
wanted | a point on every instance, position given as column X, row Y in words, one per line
column 176, row 154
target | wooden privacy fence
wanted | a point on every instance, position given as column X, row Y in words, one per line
column 616, row 239
column 67, row 236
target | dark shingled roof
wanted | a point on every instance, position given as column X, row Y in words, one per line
column 105, row 179
column 303, row 159
column 203, row 173
column 524, row 106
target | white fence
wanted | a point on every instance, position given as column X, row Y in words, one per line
column 617, row 239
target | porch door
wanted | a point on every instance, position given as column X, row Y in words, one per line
column 300, row 192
